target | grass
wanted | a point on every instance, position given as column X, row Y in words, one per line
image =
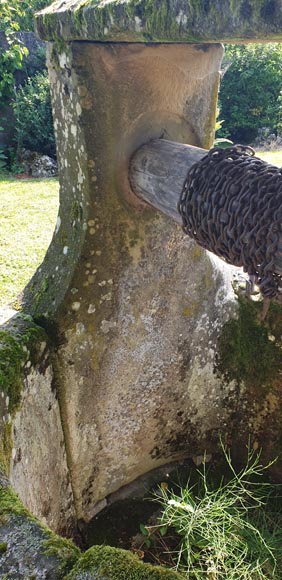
column 231, row 531
column 28, row 215
column 274, row 157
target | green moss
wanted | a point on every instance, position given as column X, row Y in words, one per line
column 64, row 550
column 114, row 564
column 205, row 22
column 12, row 356
column 6, row 447
column 248, row 350
column 3, row 548
column 19, row 343
column 10, row 505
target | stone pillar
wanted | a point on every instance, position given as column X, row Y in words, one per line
column 134, row 310
column 142, row 305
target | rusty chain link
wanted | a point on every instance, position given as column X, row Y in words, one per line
column 231, row 204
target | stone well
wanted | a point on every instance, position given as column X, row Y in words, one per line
column 123, row 376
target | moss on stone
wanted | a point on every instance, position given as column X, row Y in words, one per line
column 64, row 550
column 20, row 342
column 10, row 504
column 12, row 356
column 109, row 563
column 6, row 446
column 3, row 547
column 163, row 20
column 102, row 562
column 248, row 350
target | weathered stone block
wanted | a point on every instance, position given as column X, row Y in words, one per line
column 162, row 20
column 135, row 311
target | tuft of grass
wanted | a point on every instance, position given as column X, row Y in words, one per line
column 229, row 532
column 28, row 215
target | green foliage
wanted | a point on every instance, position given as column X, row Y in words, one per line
column 35, row 63
column 3, row 158
column 12, row 58
column 251, row 90
column 19, row 13
column 33, row 114
column 229, row 532
column 16, row 16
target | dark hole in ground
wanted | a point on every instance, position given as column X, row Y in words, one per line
column 119, row 526
column 118, row 523
column 132, row 521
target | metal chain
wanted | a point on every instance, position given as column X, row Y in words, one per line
column 231, row 204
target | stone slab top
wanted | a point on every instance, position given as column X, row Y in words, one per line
column 192, row 21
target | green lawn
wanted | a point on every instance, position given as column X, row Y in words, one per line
column 274, row 157
column 27, row 219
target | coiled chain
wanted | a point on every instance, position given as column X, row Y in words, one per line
column 231, row 204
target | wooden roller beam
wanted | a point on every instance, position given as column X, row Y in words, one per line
column 157, row 173
column 158, row 170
